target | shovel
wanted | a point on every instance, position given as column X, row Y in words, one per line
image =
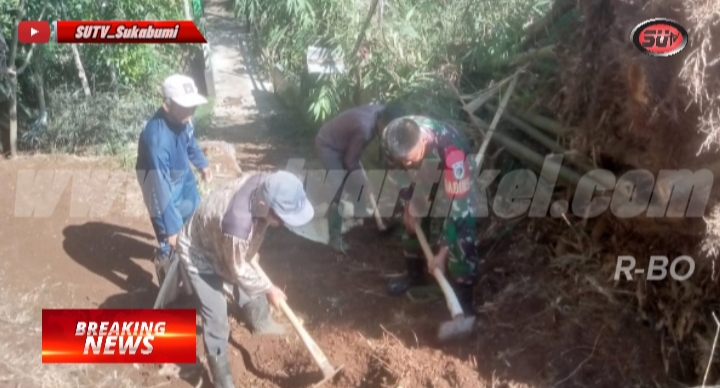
column 172, row 278
column 461, row 325
column 327, row 370
column 317, row 229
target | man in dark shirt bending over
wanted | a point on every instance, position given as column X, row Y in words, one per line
column 340, row 144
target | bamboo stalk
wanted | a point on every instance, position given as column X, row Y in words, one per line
column 517, row 149
column 528, row 155
column 547, row 52
column 486, row 141
column 482, row 97
column 529, row 130
column 544, row 123
column 578, row 160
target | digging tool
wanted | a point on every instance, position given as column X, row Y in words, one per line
column 327, row 370
column 168, row 285
column 376, row 212
column 172, row 278
column 317, row 229
column 460, row 325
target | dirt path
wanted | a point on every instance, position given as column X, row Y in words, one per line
column 530, row 334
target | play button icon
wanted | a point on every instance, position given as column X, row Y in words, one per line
column 33, row 32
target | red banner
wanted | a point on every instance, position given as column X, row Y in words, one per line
column 133, row 31
column 118, row 336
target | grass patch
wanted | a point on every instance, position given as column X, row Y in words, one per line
column 203, row 118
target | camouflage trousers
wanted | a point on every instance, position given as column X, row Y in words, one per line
column 459, row 234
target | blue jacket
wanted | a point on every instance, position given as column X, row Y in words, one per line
column 165, row 151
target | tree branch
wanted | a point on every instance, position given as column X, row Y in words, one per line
column 24, row 66
column 361, row 36
column 13, row 46
column 29, row 55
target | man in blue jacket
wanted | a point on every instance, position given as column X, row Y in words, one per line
column 166, row 150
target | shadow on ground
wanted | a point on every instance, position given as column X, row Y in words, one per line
column 110, row 251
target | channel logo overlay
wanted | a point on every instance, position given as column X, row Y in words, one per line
column 33, row 32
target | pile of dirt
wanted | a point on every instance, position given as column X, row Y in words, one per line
column 634, row 111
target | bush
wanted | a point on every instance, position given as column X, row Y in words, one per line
column 202, row 120
column 416, row 45
column 102, row 124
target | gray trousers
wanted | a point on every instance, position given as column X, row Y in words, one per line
column 213, row 310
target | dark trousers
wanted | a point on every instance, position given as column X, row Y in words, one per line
column 332, row 160
column 186, row 199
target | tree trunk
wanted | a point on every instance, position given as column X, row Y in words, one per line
column 13, row 114
column 12, row 98
column 81, row 70
column 5, row 127
column 186, row 8
column 76, row 57
column 41, row 92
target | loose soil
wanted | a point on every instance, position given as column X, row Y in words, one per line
column 530, row 331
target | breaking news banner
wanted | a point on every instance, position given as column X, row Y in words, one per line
column 118, row 336
column 127, row 31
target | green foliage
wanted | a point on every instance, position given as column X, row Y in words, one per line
column 325, row 96
column 401, row 56
column 203, row 118
column 130, row 65
column 123, row 79
column 197, row 9
column 104, row 123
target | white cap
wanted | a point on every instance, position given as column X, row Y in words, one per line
column 182, row 91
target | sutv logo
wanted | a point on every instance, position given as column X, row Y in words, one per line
column 659, row 37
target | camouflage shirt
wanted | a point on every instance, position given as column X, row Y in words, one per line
column 206, row 245
column 448, row 150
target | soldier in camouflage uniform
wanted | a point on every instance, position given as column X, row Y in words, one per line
column 412, row 141
column 218, row 243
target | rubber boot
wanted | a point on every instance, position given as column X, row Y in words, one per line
column 416, row 276
column 220, row 371
column 335, row 222
column 257, row 315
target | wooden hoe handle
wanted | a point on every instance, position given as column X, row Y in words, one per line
column 373, row 203
column 376, row 213
column 310, row 344
column 450, row 297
